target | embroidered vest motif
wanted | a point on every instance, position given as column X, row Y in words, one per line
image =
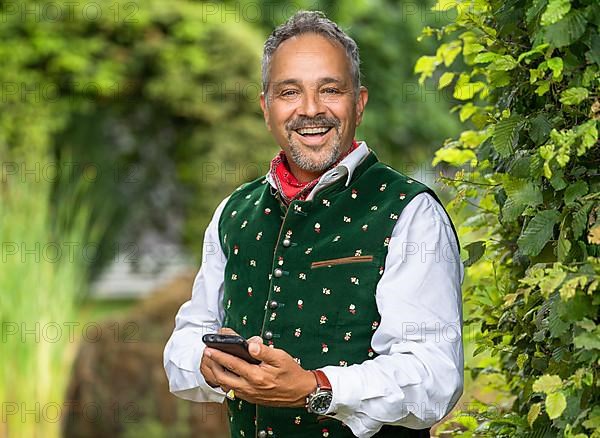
column 304, row 278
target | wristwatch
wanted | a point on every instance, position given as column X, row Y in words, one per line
column 319, row 400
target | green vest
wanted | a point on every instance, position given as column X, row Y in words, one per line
column 304, row 278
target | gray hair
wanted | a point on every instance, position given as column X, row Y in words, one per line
column 310, row 22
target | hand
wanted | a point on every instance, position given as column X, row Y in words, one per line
column 277, row 381
column 206, row 362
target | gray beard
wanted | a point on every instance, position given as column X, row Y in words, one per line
column 305, row 163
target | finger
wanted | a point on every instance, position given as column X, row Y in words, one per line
column 230, row 362
column 256, row 339
column 226, row 331
column 264, row 353
column 226, row 379
column 206, row 371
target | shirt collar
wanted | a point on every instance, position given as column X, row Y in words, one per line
column 349, row 163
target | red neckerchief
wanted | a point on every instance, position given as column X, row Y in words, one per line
column 289, row 186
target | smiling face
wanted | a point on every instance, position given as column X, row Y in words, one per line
column 312, row 111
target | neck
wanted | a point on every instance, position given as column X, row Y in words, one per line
column 304, row 176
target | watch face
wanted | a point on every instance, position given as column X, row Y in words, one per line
column 320, row 402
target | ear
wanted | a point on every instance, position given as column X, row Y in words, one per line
column 265, row 109
column 363, row 97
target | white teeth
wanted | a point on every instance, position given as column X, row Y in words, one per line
column 303, row 131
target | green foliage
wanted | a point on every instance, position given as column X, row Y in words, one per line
column 150, row 95
column 45, row 233
column 529, row 186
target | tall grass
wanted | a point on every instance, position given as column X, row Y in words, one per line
column 43, row 274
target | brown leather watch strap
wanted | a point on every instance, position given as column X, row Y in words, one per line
column 322, row 380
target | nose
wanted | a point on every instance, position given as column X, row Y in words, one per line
column 311, row 104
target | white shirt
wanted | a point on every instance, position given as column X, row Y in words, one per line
column 417, row 377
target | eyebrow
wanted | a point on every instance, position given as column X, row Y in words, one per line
column 322, row 81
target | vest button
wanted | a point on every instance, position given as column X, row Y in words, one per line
column 262, row 434
column 278, row 272
column 286, row 242
column 273, row 304
column 268, row 335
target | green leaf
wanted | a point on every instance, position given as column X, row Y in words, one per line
column 522, row 360
column 569, row 288
column 556, row 65
column 467, row 111
column 555, row 404
column 503, row 63
column 574, row 96
column 522, row 191
column 476, row 251
column 547, row 384
column 506, row 134
column 426, row 66
column 574, row 191
column 551, row 281
column 555, row 11
column 454, row 156
column 465, row 90
column 533, row 413
column 511, row 210
column 539, row 231
column 471, row 48
column 593, row 55
column 588, row 340
column 593, row 421
column 557, row 180
column 566, row 31
column 445, row 80
column 448, row 52
column 483, row 58
column 588, row 134
column 539, row 128
column 536, row 50
column 564, row 246
column 542, row 88
column 580, row 218
column 586, row 324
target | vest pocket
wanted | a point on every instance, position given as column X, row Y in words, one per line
column 341, row 261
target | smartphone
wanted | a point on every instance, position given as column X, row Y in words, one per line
column 231, row 344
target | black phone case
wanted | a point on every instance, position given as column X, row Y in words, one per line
column 230, row 344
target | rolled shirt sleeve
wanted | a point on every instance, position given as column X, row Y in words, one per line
column 418, row 376
column 202, row 314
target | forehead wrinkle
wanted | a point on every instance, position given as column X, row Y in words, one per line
column 318, row 82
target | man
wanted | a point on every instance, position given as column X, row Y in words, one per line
column 344, row 273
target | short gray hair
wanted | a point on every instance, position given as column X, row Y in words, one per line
column 303, row 22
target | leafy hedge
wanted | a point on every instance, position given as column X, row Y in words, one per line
column 528, row 86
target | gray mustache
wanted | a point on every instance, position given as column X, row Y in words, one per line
column 304, row 122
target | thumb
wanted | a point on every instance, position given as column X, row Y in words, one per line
column 263, row 353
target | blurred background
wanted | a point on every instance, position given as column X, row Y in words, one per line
column 122, row 126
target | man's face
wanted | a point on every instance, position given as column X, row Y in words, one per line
column 312, row 111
